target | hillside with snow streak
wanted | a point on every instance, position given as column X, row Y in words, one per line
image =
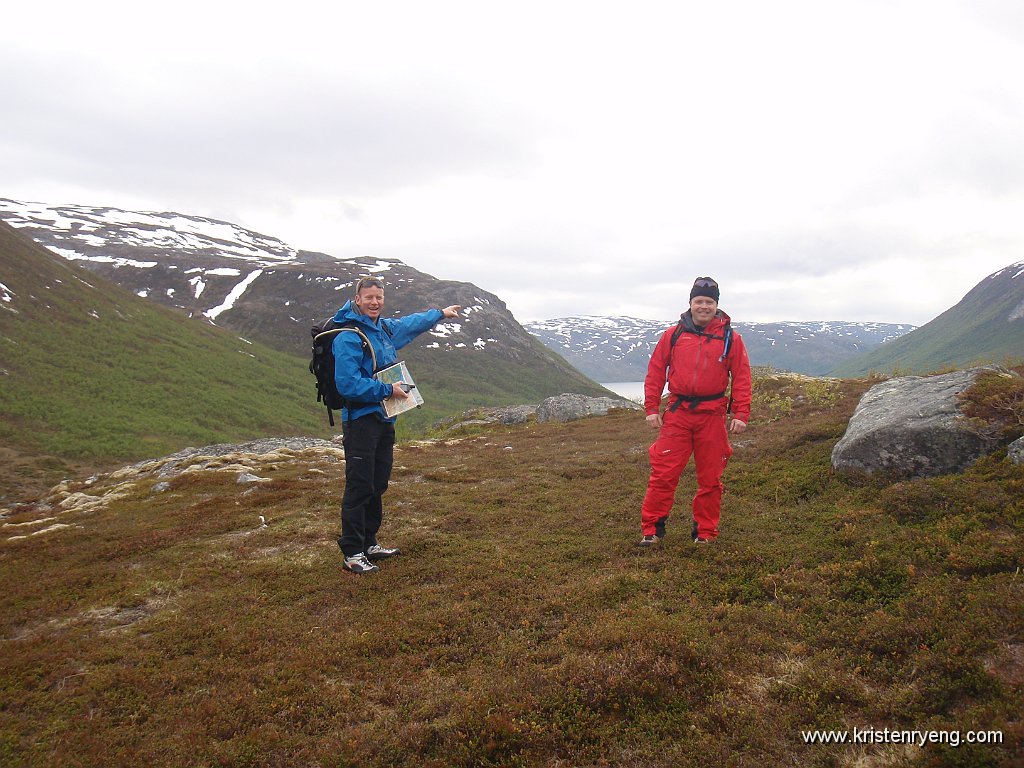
column 226, row 274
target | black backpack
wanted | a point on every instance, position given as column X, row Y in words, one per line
column 321, row 365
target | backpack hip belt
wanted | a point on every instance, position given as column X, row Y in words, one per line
column 693, row 400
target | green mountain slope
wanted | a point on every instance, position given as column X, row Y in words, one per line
column 986, row 326
column 93, row 373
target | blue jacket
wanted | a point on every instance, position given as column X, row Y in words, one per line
column 353, row 368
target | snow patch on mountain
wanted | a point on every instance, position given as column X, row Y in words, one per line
column 233, row 295
column 73, row 255
column 446, row 330
column 83, row 230
column 1017, row 269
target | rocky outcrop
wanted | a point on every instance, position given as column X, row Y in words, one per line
column 486, row 417
column 1015, row 452
column 565, row 407
column 913, row 426
column 570, row 406
column 245, row 460
column 513, row 414
column 240, row 457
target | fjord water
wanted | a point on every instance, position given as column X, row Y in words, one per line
column 631, row 390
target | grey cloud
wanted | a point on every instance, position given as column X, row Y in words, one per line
column 796, row 253
column 259, row 138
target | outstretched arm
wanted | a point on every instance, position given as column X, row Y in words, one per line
column 405, row 329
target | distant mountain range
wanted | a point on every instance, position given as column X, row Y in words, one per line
column 611, row 349
column 986, row 326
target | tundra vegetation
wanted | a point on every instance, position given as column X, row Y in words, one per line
column 210, row 623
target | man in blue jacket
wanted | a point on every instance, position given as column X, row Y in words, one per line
column 369, row 435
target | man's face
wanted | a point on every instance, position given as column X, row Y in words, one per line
column 703, row 308
column 370, row 301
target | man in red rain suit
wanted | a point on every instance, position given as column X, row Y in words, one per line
column 699, row 358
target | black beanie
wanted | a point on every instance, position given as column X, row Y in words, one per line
column 705, row 286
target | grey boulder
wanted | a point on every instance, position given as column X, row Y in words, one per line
column 913, row 426
column 571, row 406
column 1015, row 452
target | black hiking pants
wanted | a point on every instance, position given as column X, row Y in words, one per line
column 369, row 454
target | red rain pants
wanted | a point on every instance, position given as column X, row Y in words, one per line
column 683, row 433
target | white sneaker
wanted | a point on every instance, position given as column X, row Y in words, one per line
column 377, row 552
column 359, row 564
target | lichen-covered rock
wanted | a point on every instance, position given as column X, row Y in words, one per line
column 513, row 414
column 224, row 455
column 913, row 426
column 571, row 406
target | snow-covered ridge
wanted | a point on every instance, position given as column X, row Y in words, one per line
column 617, row 330
column 1017, row 269
column 802, row 331
column 618, row 348
column 230, row 276
column 90, row 234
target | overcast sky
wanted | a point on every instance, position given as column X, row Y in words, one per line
column 823, row 160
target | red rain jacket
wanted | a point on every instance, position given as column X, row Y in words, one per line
column 695, row 369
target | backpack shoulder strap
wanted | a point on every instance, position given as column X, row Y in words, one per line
column 364, row 340
column 681, row 329
column 727, row 335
